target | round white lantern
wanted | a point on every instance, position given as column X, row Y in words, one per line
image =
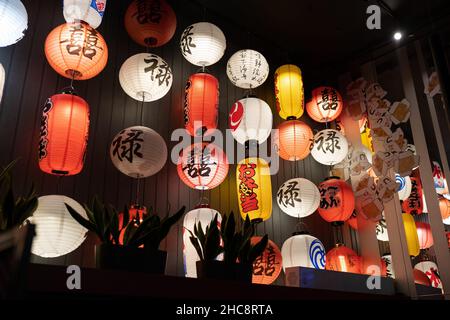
column 381, row 230
column 13, row 22
column 247, row 69
column 57, row 233
column 298, row 197
column 202, row 44
column 387, row 258
column 303, row 250
column 431, row 270
column 90, row 11
column 250, row 119
column 145, row 77
column 330, row 147
column 138, row 152
column 404, row 186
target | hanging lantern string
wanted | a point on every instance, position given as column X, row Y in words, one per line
column 142, row 109
column 138, row 185
column 58, row 183
column 71, row 80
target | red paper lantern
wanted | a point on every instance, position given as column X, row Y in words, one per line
column 326, row 104
column 414, row 203
column 201, row 104
column 337, row 200
column 267, row 267
column 424, row 234
column 421, row 278
column 343, row 259
column 151, row 23
column 64, row 134
column 444, row 206
column 294, row 138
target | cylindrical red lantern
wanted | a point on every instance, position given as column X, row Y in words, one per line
column 326, row 104
column 294, row 140
column 343, row 259
column 414, row 203
column 64, row 134
column 267, row 267
column 421, row 278
column 424, row 234
column 201, row 104
column 444, row 206
column 337, row 201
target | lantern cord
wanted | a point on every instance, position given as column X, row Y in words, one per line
column 138, row 184
column 58, row 182
column 142, row 109
column 71, row 81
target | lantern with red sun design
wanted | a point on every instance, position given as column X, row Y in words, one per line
column 414, row 204
column 267, row 267
column 424, row 234
column 337, row 201
column 343, row 259
column 326, row 104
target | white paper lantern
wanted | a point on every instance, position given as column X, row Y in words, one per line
column 57, row 233
column 2, row 81
column 145, row 77
column 330, row 147
column 138, row 152
column 250, row 119
column 298, row 197
column 404, row 186
column 247, row 69
column 202, row 44
column 90, row 11
column 387, row 258
column 303, row 250
column 193, row 217
column 381, row 230
column 13, row 22
column 431, row 270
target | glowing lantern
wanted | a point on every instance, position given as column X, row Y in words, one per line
column 432, row 272
column 294, row 140
column 201, row 104
column 387, row 259
column 289, row 91
column 440, row 184
column 57, row 233
column 202, row 166
column 404, row 186
column 64, row 134
column 444, row 206
column 267, row 267
column 247, row 69
column 424, row 234
column 343, row 259
column 326, row 104
column 421, row 278
column 150, row 23
column 337, row 201
column 298, row 197
column 414, row 204
column 76, row 50
column 138, row 152
column 13, row 22
column 250, row 119
column 145, row 77
column 254, row 189
column 330, row 147
column 411, row 234
column 303, row 250
column 202, row 44
column 2, row 81
column 89, row 11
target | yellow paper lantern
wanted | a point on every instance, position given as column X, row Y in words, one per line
column 289, row 91
column 411, row 234
column 254, row 189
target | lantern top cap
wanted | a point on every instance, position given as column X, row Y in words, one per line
column 303, row 232
column 332, row 177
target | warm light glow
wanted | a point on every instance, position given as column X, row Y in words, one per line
column 343, row 259
column 298, row 197
column 337, row 200
column 424, row 234
column 294, row 139
column 412, row 238
column 303, row 250
column 289, row 91
column 326, row 104
column 398, row 35
column 13, row 22
column 330, row 147
column 267, row 267
column 247, row 69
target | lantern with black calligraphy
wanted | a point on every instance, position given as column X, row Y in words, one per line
column 247, row 69
column 289, row 91
column 387, row 259
column 424, row 234
column 267, row 267
column 381, row 230
column 303, row 250
column 330, row 147
column 64, row 134
column 343, row 259
column 412, row 238
column 13, row 22
column 404, row 186
column 294, row 139
column 432, row 272
column 89, row 11
column 414, row 204
column 337, row 201
column 76, row 51
column 326, row 104
column 298, row 197
column 440, row 184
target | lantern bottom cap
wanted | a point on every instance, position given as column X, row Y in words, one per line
column 73, row 73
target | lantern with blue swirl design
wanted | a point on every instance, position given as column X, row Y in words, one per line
column 303, row 250
column 404, row 186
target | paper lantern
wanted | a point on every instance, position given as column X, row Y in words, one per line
column 444, row 206
column 13, row 22
column 411, row 234
column 254, row 188
column 193, row 217
column 2, row 81
column 202, row 166
column 145, row 77
column 421, row 278
column 326, row 104
column 247, row 69
column 150, row 23
column 432, row 272
column 303, row 250
column 89, row 11
column 424, row 234
column 202, row 44
column 138, row 152
column 64, row 134
column 337, row 201
column 414, row 203
column 381, row 230
column 330, row 147
column 201, row 104
column 343, row 259
column 294, row 139
column 267, row 267
column 76, row 50
column 57, row 233
column 353, row 221
column 289, row 91
column 404, row 186
column 387, row 258
column 298, row 197
column 440, row 184
column 250, row 119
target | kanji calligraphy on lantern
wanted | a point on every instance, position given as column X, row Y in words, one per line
column 400, row 111
column 381, row 230
column 414, row 203
column 330, row 147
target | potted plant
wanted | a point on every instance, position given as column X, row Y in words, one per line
column 235, row 245
column 138, row 250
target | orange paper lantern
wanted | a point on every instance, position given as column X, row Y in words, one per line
column 150, row 23
column 267, row 267
column 414, row 203
column 444, row 206
column 64, row 134
column 294, row 140
column 337, row 201
column 424, row 234
column 76, row 50
column 343, row 259
column 421, row 278
column 326, row 104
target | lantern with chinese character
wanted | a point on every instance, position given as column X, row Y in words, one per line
column 138, row 152
column 440, row 184
column 89, row 11
column 387, row 259
column 431, row 270
column 404, row 186
column 330, row 147
column 294, row 139
column 150, row 23
column 326, row 104
column 337, row 201
column 64, row 134
column 303, row 250
column 444, row 206
column 247, row 69
column 254, row 189
column 13, row 22
column 202, row 166
column 145, row 77
column 381, row 230
column 201, row 104
column 298, row 197
column 267, row 267
column 76, row 51
column 412, row 238
column 414, row 204
column 424, row 234
column 202, row 44
column 289, row 91
column 250, row 119
column 343, row 259
column 57, row 233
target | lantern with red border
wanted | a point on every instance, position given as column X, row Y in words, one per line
column 424, row 234
column 267, row 267
column 414, row 204
column 343, row 259
column 337, row 201
column 294, row 139
column 326, row 104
